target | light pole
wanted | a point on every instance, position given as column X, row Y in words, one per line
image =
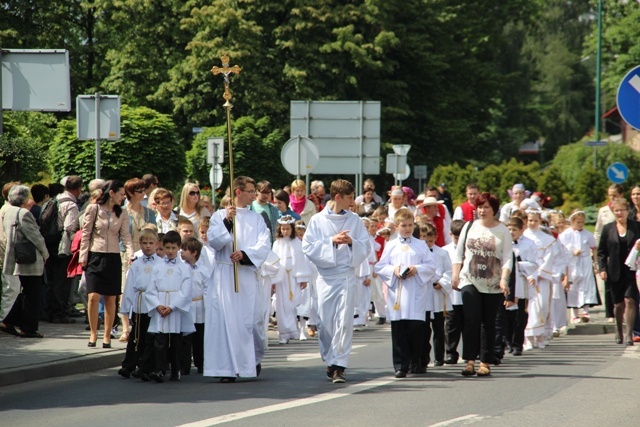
column 598, row 65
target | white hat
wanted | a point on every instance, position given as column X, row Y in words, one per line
column 529, row 204
column 431, row 201
column 420, row 199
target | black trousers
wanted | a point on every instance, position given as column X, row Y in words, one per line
column 192, row 344
column 436, row 325
column 148, row 361
column 479, row 331
column 58, row 287
column 137, row 341
column 408, row 338
column 25, row 312
column 608, row 301
column 521, row 319
column 504, row 329
column 453, row 326
column 167, row 351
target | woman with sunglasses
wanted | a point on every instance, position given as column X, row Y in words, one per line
column 190, row 206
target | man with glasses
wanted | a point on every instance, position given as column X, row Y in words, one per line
column 262, row 205
column 230, row 348
column 166, row 220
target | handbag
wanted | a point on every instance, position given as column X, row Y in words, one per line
column 24, row 250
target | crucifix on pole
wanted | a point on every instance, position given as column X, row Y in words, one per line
column 226, row 71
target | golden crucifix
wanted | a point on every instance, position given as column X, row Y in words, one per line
column 227, row 71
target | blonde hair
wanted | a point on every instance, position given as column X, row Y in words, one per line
column 184, row 196
column 298, row 183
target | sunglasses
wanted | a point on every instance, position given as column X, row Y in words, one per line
column 194, row 193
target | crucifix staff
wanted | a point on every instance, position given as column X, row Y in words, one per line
column 226, row 71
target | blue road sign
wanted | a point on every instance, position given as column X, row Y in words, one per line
column 197, row 130
column 595, row 143
column 628, row 98
column 617, row 173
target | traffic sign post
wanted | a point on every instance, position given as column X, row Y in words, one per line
column 420, row 173
column 215, row 150
column 617, row 173
column 628, row 98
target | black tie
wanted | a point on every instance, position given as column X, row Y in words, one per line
column 515, row 242
column 170, row 261
column 405, row 239
column 147, row 258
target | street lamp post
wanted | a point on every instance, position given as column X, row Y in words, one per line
column 598, row 65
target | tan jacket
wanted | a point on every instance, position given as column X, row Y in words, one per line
column 29, row 231
column 104, row 233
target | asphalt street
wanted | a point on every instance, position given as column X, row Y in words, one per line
column 584, row 380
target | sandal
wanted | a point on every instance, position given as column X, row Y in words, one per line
column 124, row 337
column 484, row 370
column 469, row 370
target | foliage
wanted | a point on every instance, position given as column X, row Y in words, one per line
column 255, row 146
column 21, row 158
column 590, row 186
column 551, row 184
column 148, row 144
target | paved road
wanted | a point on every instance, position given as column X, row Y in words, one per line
column 582, row 380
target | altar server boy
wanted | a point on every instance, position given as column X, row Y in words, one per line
column 168, row 300
column 408, row 267
column 139, row 277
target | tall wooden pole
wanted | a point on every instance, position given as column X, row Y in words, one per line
column 227, row 71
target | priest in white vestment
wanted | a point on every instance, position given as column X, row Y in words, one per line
column 234, row 321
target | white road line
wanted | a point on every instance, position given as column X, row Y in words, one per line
column 347, row 391
column 470, row 417
column 298, row 357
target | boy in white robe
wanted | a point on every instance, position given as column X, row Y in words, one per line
column 139, row 277
column 336, row 242
column 193, row 344
column 408, row 268
column 168, row 300
column 441, row 295
column 454, row 319
column 234, row 321
column 364, row 275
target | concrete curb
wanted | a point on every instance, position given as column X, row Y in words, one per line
column 71, row 366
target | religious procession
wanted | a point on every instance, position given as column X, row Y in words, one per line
column 193, row 285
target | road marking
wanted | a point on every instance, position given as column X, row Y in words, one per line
column 347, row 391
column 631, row 352
column 298, row 357
column 470, row 417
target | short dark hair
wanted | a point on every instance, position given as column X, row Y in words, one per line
column 149, row 179
column 192, row 244
column 516, row 222
column 172, row 236
column 472, row 185
column 132, row 185
column 240, row 182
column 73, row 182
column 341, row 187
column 456, row 227
column 55, row 189
column 488, row 197
column 39, row 192
column 283, row 196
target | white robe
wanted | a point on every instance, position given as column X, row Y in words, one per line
column 200, row 275
column 294, row 270
column 234, row 337
column 268, row 274
column 583, row 288
column 336, row 279
column 539, row 305
column 411, row 298
column 441, row 297
column 363, row 293
column 171, row 286
column 139, row 278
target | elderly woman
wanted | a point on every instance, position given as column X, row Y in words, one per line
column 104, row 226
column 190, row 206
column 20, row 226
column 299, row 202
column 616, row 241
column 481, row 269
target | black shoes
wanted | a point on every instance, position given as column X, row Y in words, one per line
column 401, row 374
column 106, row 345
column 258, row 369
column 517, row 352
column 157, row 376
column 91, row 344
column 124, row 372
column 451, row 360
column 438, row 363
column 381, row 321
column 338, row 376
column 330, row 372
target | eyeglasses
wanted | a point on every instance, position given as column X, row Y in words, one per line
column 139, row 191
column 165, row 204
column 249, row 191
column 194, row 193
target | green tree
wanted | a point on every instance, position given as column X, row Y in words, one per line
column 21, row 158
column 255, row 150
column 148, row 144
column 590, row 186
column 552, row 184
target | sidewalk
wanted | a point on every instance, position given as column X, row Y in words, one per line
column 63, row 350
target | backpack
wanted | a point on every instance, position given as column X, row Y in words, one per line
column 50, row 226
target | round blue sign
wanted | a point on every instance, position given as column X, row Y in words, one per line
column 617, row 173
column 628, row 98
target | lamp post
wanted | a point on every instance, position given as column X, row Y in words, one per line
column 598, row 65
